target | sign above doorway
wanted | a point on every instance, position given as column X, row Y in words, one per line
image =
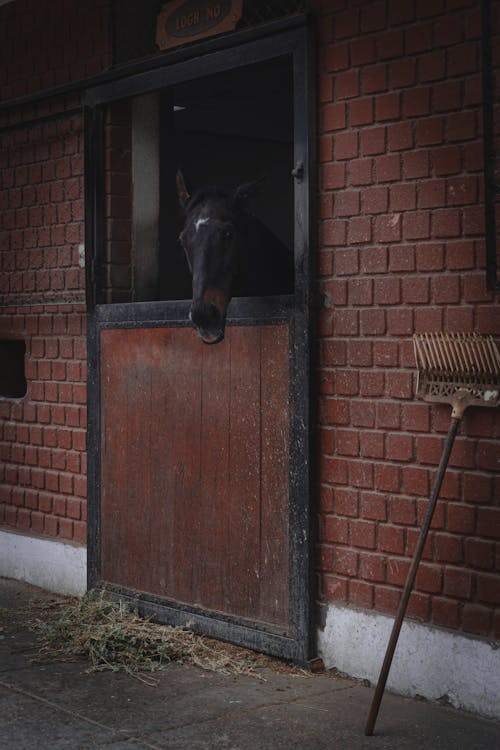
column 185, row 21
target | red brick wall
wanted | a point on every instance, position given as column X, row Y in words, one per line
column 401, row 250
column 42, row 284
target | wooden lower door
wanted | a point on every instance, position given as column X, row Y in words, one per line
column 195, row 473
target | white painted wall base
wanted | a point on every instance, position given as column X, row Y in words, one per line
column 428, row 662
column 51, row 565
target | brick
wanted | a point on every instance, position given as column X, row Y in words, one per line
column 336, row 530
column 374, row 79
column 446, row 223
column 474, row 286
column 462, row 190
column 346, row 203
column 432, row 194
column 417, row 102
column 387, row 291
column 346, row 562
column 460, row 255
column 359, row 230
column 347, row 442
column 386, row 599
column 416, row 164
column 385, row 354
column 372, row 567
column 375, row 200
column 432, row 66
column 360, row 292
column 333, row 176
column 448, row 548
column 372, row 141
column 334, row 588
column 362, row 534
column 399, row 447
column 479, row 553
column 336, row 57
column 360, row 593
column 361, row 112
column 463, row 59
column 476, row 619
column 372, row 506
column 345, row 500
column 333, row 117
column 401, row 510
column 371, row 445
column 391, row 44
column 445, row 612
column 388, row 415
column 399, row 384
column 346, row 84
column 403, row 197
column 360, row 172
column 415, row 481
column 488, row 522
column 362, row 413
column 447, row 96
column 446, row 290
column 346, row 23
column 488, row 588
column 345, row 145
column 402, row 73
column 477, row 488
column 373, row 17
column 387, row 107
column 459, row 319
column 397, row 571
column 388, row 168
column 362, row 51
column 461, row 126
column 416, row 225
column 346, row 262
column 400, row 136
column 391, row 539
column 460, row 518
column 401, row 258
column 387, row 479
column 373, row 260
column 429, row 131
column 361, row 474
column 371, row 383
column 333, row 233
column 429, row 579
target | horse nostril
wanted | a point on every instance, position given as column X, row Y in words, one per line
column 206, row 316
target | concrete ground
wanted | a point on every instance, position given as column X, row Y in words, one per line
column 59, row 705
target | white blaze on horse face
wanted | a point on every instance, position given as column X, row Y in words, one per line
column 200, row 222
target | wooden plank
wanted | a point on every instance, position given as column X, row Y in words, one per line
column 243, row 573
column 274, row 604
column 194, row 499
column 125, row 459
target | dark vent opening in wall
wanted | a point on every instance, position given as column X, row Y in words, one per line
column 12, row 376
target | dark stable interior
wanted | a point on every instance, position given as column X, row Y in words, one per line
column 226, row 130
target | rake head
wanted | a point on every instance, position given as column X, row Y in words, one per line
column 461, row 369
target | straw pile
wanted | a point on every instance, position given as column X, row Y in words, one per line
column 112, row 637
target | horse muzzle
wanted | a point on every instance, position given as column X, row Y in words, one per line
column 208, row 321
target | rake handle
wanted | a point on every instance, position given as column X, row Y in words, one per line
column 410, row 580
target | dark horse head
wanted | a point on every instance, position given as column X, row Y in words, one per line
column 229, row 252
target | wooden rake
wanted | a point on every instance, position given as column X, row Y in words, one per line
column 463, row 370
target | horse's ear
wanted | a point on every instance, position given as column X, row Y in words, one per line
column 247, row 189
column 182, row 190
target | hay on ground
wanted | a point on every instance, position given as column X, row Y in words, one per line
column 111, row 636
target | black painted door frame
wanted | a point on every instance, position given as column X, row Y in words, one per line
column 294, row 309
